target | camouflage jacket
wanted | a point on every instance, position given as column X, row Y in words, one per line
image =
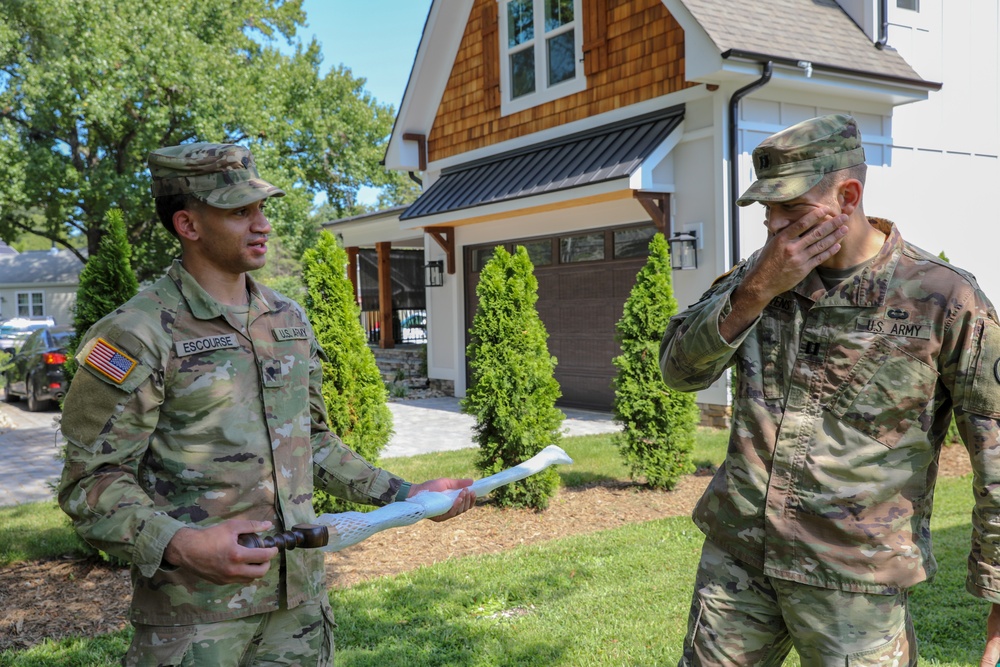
column 178, row 416
column 842, row 401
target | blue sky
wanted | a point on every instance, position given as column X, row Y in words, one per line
column 375, row 39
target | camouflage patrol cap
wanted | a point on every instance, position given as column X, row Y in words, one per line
column 790, row 163
column 221, row 175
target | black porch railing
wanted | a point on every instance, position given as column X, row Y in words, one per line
column 408, row 325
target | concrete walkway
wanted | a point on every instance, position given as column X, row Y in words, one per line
column 437, row 424
column 30, row 442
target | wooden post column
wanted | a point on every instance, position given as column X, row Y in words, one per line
column 386, row 341
column 352, row 271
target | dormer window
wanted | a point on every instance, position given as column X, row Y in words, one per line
column 541, row 52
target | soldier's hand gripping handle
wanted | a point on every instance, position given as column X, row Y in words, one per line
column 303, row 535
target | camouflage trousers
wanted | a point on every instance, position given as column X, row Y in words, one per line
column 741, row 617
column 299, row 636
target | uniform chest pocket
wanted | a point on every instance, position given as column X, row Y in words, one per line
column 886, row 393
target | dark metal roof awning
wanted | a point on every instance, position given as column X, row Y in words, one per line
column 598, row 155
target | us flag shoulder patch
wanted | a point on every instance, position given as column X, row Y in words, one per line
column 110, row 361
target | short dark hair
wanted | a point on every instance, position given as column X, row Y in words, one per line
column 832, row 179
column 167, row 205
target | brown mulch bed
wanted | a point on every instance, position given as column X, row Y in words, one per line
column 60, row 598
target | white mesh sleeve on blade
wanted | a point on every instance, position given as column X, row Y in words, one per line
column 549, row 456
column 350, row 528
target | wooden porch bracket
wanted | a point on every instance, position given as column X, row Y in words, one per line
column 657, row 205
column 445, row 237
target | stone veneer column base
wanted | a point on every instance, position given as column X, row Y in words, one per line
column 446, row 387
column 715, row 416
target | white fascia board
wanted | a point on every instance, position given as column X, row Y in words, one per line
column 514, row 207
column 822, row 82
column 429, row 76
column 643, row 178
column 370, row 231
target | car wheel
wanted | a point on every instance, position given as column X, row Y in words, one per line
column 34, row 405
column 7, row 396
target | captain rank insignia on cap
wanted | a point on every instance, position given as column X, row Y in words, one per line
column 110, row 361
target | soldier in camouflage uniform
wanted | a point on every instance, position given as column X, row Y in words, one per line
column 852, row 348
column 195, row 416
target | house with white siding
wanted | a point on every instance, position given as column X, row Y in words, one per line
column 578, row 128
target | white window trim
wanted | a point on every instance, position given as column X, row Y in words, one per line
column 31, row 303
column 919, row 19
column 543, row 93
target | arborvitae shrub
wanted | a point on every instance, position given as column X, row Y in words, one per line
column 513, row 390
column 658, row 422
column 106, row 282
column 353, row 390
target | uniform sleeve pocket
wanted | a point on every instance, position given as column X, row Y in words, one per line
column 95, row 402
column 983, row 396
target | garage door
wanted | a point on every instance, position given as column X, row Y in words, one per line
column 583, row 282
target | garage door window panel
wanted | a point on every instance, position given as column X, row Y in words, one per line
column 633, row 242
column 584, row 248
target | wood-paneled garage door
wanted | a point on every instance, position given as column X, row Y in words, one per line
column 584, row 279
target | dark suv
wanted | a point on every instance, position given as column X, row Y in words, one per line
column 35, row 371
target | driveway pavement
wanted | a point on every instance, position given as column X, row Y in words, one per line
column 30, row 442
column 29, row 449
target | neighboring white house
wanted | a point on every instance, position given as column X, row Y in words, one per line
column 39, row 284
column 575, row 134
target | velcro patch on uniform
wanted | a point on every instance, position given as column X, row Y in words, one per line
column 110, row 361
column 984, row 373
column 783, row 303
column 894, row 327
column 207, row 344
column 271, row 371
column 290, row 333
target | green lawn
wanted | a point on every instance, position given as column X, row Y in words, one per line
column 617, row 597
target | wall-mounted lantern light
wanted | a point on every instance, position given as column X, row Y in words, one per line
column 684, row 251
column 434, row 273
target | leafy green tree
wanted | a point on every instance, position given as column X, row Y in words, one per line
column 658, row 422
column 283, row 272
column 400, row 190
column 106, row 282
column 353, row 390
column 513, row 389
column 88, row 89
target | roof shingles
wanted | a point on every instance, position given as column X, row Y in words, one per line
column 40, row 267
column 817, row 31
